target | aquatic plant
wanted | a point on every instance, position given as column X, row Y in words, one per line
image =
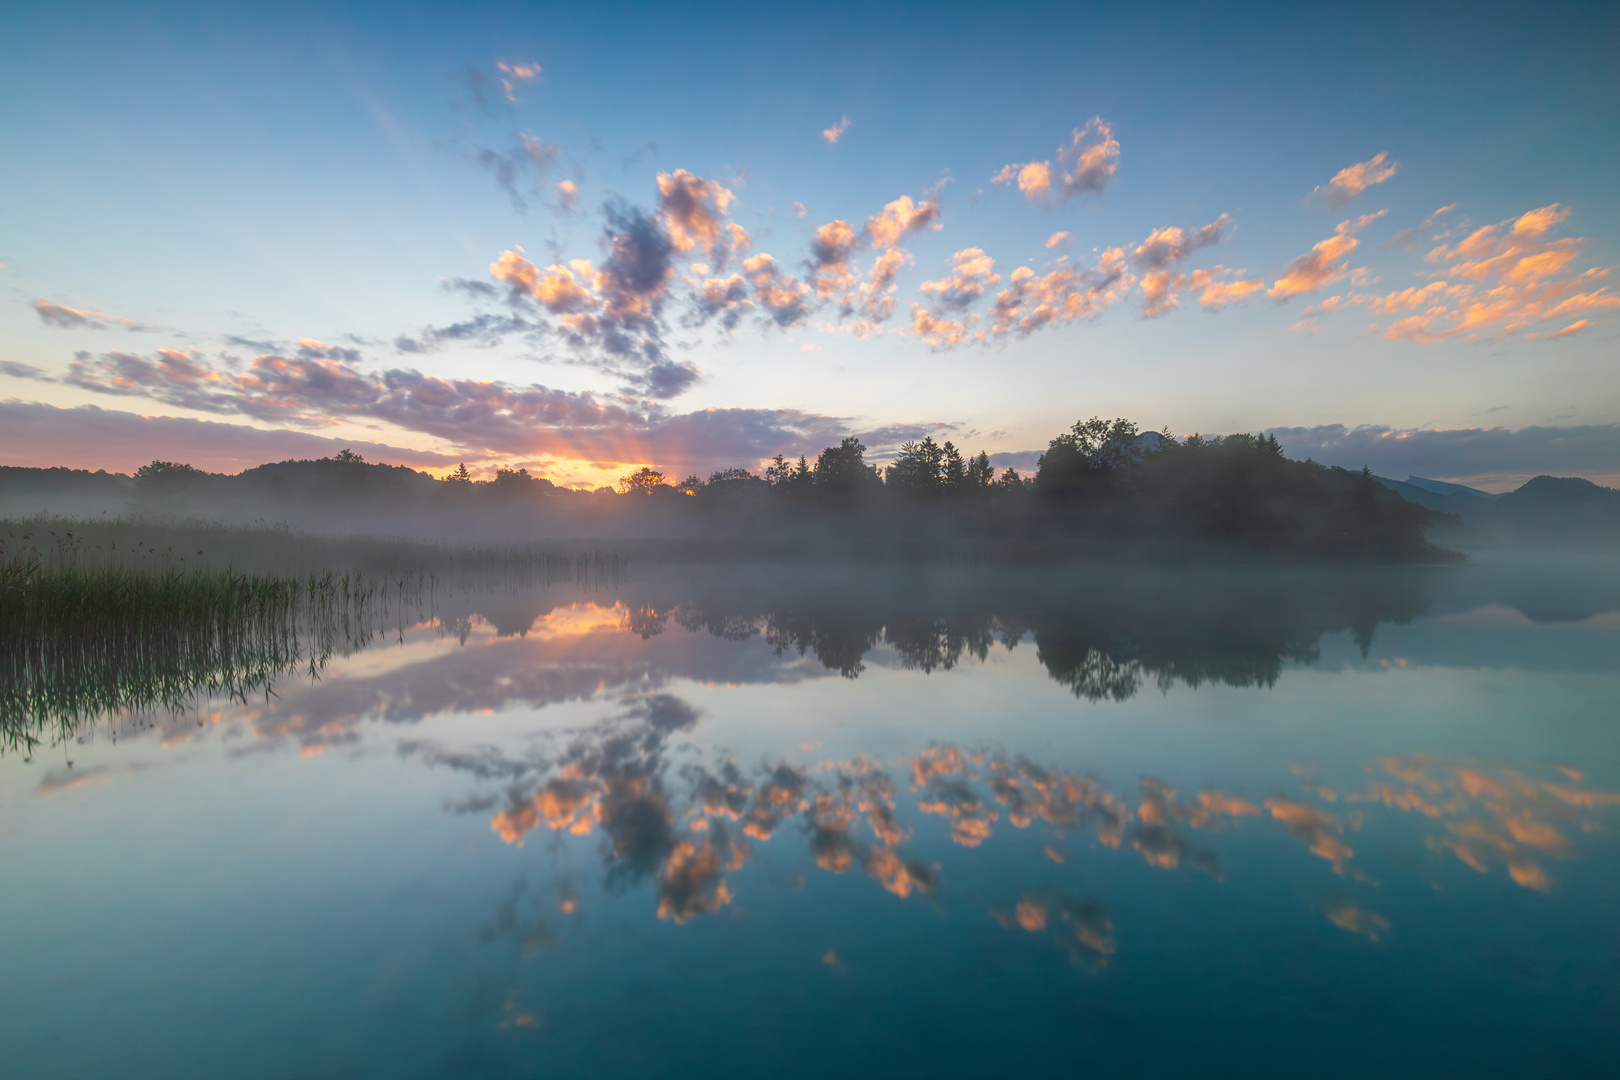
column 100, row 620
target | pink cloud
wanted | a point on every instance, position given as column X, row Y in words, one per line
column 900, row 219
column 938, row 333
column 1084, row 166
column 971, row 274
column 90, row 438
column 695, row 213
column 1033, row 301
column 831, row 248
column 69, row 318
column 1164, row 247
column 834, row 133
column 516, row 73
column 781, row 295
column 1349, row 182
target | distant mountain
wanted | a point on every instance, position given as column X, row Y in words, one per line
column 1439, row 495
column 1440, row 487
column 1561, row 491
column 1548, row 510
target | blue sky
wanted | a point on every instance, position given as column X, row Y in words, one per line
column 226, row 183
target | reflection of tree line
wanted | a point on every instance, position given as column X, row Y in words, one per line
column 688, row 829
column 1103, row 644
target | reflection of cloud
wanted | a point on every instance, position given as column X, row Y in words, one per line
column 1321, row 832
column 1357, row 921
column 691, row 882
column 1081, row 928
column 1491, row 814
column 69, row 778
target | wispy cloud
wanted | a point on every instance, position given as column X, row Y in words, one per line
column 70, row 318
column 483, row 419
column 88, row 437
column 567, row 195
column 513, row 74
column 1324, row 264
column 1349, row 182
column 836, row 132
column 1496, row 281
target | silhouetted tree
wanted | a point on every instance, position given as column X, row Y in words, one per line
column 461, row 475
column 952, row 469
column 980, row 474
column 918, row 468
column 641, row 482
column 1091, row 456
column 841, row 470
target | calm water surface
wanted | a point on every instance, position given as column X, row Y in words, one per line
column 888, row 822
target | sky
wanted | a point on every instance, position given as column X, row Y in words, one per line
column 583, row 239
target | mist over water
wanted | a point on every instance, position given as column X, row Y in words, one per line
column 914, row 818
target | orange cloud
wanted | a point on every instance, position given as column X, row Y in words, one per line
column 1033, row 301
column 831, row 248
column 516, row 73
column 1084, row 166
column 694, row 212
column 69, row 318
column 781, row 295
column 834, row 133
column 567, row 195
column 1349, row 182
column 1164, row 247
column 1503, row 278
column 971, row 274
column 1323, row 265
column 1160, row 289
column 900, row 219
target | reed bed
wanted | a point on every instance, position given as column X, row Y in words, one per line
column 105, row 619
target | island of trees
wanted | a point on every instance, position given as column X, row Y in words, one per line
column 1103, row 488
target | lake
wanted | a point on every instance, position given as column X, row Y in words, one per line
column 807, row 821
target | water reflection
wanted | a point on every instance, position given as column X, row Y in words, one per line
column 553, row 825
column 1104, row 637
column 688, row 829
